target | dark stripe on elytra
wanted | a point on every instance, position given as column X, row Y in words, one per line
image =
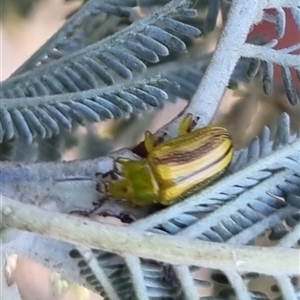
column 186, row 157
column 206, row 167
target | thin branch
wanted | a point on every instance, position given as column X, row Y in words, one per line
column 51, row 172
column 238, row 284
column 286, row 287
column 290, row 239
column 247, row 235
column 8, row 103
column 100, row 274
column 187, row 283
column 271, row 55
column 168, row 249
column 280, row 3
column 137, row 277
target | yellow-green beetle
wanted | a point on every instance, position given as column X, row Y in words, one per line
column 173, row 168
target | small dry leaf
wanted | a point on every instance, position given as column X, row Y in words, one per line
column 80, row 291
column 11, row 264
column 61, row 286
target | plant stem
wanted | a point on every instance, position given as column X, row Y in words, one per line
column 216, row 78
column 271, row 55
column 168, row 249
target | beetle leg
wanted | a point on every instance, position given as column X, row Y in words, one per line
column 115, row 172
column 81, row 212
column 187, row 124
column 122, row 161
column 87, row 213
column 97, row 205
column 150, row 141
column 124, row 217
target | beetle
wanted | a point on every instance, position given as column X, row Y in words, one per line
column 174, row 168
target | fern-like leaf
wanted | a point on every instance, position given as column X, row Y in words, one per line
column 71, row 37
column 45, row 116
column 86, row 69
column 267, row 67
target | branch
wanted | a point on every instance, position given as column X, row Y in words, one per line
column 280, row 3
column 279, row 57
column 250, row 233
column 239, row 285
column 99, row 272
column 291, row 238
column 168, row 249
column 286, row 287
column 51, row 172
column 187, row 282
column 136, row 273
column 217, row 75
column 216, row 78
